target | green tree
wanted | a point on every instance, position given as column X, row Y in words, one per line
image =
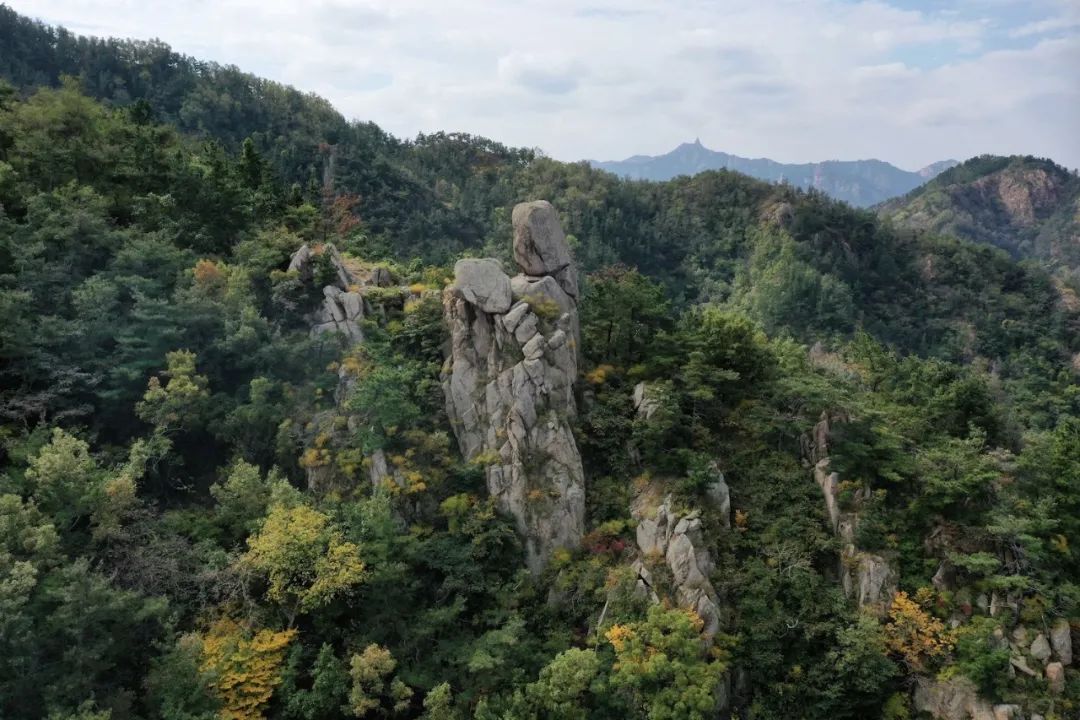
column 661, row 663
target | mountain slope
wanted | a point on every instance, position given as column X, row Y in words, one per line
column 1027, row 206
column 860, row 182
column 830, row 468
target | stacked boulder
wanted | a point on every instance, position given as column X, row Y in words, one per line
column 509, row 381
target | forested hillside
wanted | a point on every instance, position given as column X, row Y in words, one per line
column 724, row 449
column 1027, row 206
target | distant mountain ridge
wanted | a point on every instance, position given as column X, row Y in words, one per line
column 1027, row 206
column 859, row 182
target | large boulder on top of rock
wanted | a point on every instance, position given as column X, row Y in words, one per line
column 483, row 283
column 540, row 245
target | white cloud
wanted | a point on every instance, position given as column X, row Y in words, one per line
column 1049, row 25
column 793, row 80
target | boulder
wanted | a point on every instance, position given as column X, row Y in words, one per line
column 945, row 578
column 540, row 245
column 1040, row 648
column 1061, row 639
column 300, row 261
column 1020, row 664
column 718, row 494
column 1055, row 676
column 646, row 402
column 876, row 582
column 482, row 282
column 340, row 313
column 381, row 277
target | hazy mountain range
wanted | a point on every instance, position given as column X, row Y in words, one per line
column 860, row 182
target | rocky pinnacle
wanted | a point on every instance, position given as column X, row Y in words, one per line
column 509, row 376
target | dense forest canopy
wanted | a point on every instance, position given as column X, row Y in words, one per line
column 209, row 510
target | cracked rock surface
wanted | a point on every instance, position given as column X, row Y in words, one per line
column 508, row 381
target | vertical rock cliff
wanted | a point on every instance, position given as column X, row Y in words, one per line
column 509, row 377
column 865, row 576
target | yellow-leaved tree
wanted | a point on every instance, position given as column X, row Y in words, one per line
column 913, row 634
column 245, row 666
column 304, row 557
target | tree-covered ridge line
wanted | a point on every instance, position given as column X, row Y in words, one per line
column 163, row 554
column 1029, row 207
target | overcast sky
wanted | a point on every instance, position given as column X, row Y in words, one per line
column 908, row 81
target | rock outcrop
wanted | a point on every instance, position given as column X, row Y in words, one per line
column 340, row 313
column 866, row 577
column 954, row 699
column 646, row 402
column 674, row 538
column 508, row 381
column 342, row 308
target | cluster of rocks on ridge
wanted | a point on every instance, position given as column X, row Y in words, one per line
column 509, row 376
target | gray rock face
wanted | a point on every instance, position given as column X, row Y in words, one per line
column 540, row 246
column 1040, row 648
column 719, row 495
column 645, row 401
column 1061, row 639
column 677, row 538
column 954, row 699
column 342, row 308
column 875, row 581
column 508, row 383
column 945, row 577
column 483, row 283
column 340, row 313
